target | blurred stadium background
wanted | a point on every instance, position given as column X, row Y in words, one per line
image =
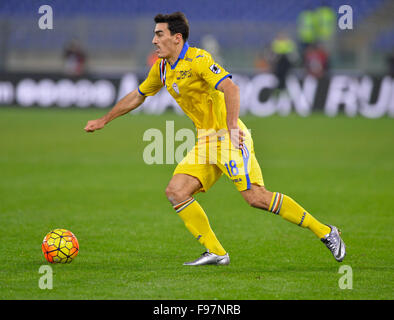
column 105, row 42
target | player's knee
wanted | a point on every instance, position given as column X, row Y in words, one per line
column 175, row 194
column 170, row 192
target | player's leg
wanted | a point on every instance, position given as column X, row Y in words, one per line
column 191, row 176
column 280, row 204
column 246, row 174
column 286, row 207
column 243, row 169
column 180, row 191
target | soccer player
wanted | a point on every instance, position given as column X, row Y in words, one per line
column 205, row 92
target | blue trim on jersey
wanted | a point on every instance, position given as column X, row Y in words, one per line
column 226, row 76
column 181, row 55
column 246, row 160
column 140, row 92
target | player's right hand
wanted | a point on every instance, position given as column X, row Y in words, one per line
column 94, row 125
column 237, row 137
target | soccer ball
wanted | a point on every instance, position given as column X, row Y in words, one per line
column 60, row 246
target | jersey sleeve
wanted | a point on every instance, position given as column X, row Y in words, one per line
column 210, row 71
column 152, row 84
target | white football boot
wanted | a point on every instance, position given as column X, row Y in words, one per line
column 209, row 258
column 336, row 245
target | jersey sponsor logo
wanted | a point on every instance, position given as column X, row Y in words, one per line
column 215, row 69
column 183, row 74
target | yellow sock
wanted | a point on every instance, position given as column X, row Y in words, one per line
column 291, row 211
column 196, row 221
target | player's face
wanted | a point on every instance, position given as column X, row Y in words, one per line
column 164, row 42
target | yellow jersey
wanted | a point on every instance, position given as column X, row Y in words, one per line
column 192, row 81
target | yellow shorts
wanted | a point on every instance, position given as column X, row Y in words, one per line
column 214, row 155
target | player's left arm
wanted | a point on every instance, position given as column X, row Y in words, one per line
column 232, row 100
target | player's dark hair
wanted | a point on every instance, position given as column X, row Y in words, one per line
column 177, row 23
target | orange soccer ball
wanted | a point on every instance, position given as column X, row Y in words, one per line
column 60, row 246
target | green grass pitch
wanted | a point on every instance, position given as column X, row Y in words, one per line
column 132, row 244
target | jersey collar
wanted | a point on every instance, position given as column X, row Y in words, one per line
column 181, row 55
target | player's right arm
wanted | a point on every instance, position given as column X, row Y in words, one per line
column 149, row 87
column 125, row 105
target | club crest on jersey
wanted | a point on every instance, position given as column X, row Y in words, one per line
column 215, row 69
column 175, row 87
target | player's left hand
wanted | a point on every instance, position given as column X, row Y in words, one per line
column 237, row 137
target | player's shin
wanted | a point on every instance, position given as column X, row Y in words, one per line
column 291, row 211
column 196, row 221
